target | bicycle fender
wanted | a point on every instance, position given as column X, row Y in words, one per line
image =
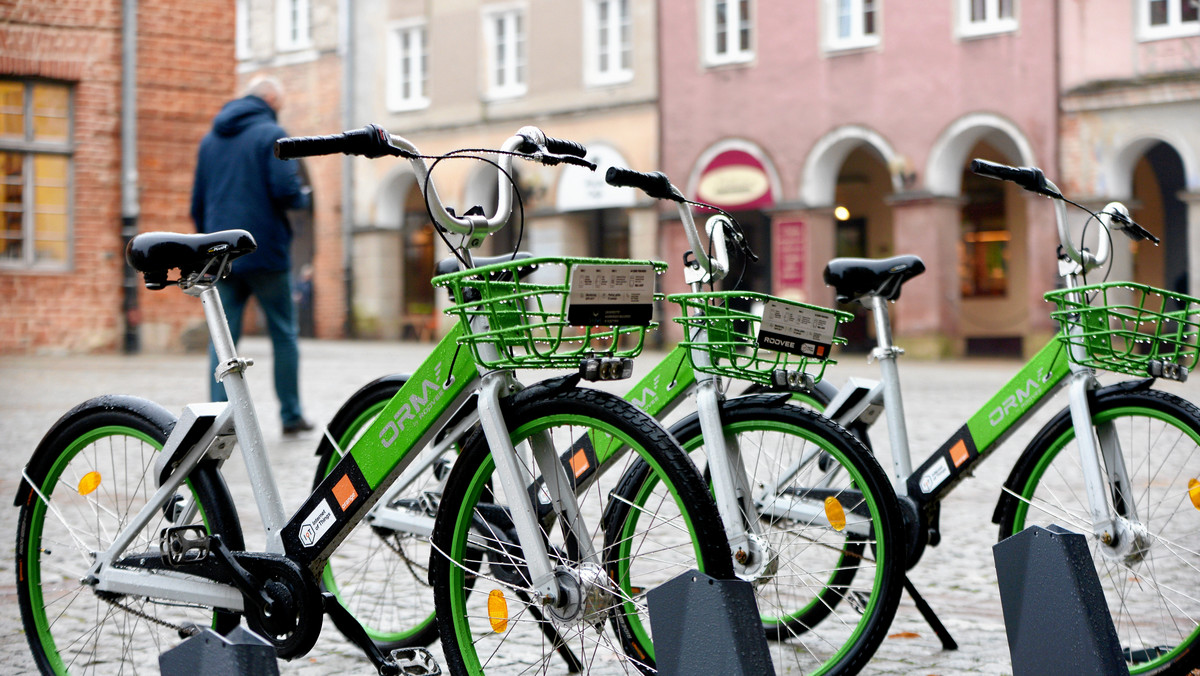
column 44, row 456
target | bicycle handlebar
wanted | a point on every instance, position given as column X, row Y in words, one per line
column 657, row 185
column 374, row 141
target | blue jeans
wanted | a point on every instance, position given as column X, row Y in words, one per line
column 274, row 293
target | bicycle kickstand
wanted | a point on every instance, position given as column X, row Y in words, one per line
column 948, row 642
column 401, row 662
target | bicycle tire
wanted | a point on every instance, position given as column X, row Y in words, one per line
column 473, row 522
column 817, row 566
column 100, row 442
column 379, row 574
column 1152, row 590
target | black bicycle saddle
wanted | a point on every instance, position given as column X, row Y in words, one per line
column 857, row 278
column 156, row 253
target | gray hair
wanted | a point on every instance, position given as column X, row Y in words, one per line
column 267, row 88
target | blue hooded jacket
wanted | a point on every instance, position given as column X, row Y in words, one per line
column 241, row 184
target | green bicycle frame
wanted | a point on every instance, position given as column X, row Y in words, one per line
column 405, row 425
column 988, row 427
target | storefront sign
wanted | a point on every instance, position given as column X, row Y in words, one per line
column 735, row 180
column 789, row 249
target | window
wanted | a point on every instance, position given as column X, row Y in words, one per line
column 1160, row 19
column 984, row 250
column 504, row 38
column 985, row 17
column 35, row 174
column 608, row 51
column 242, row 30
column 292, row 24
column 852, row 24
column 728, row 34
column 407, row 67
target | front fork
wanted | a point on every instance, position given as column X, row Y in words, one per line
column 733, row 496
column 1105, row 477
column 509, row 464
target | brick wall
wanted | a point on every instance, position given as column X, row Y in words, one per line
column 185, row 73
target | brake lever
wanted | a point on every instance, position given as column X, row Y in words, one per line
column 1131, row 229
column 551, row 159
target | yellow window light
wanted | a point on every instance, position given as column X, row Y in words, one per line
column 497, row 611
column 841, row 213
column 835, row 513
column 89, row 483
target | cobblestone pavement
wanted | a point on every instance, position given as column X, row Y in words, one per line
column 958, row 578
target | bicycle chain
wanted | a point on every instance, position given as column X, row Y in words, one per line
column 423, row 577
column 180, row 629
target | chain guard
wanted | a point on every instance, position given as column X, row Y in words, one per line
column 295, row 622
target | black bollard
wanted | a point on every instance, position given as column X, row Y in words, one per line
column 241, row 653
column 1054, row 609
column 706, row 626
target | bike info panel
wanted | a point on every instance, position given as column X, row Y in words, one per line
column 611, row 295
column 796, row 330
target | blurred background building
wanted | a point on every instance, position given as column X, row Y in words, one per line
column 835, row 127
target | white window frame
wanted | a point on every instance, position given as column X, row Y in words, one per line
column 1174, row 28
column 992, row 23
column 857, row 39
column 292, row 35
column 417, row 75
column 241, row 41
column 619, row 26
column 733, row 52
column 516, row 51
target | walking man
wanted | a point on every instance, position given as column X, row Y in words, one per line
column 241, row 184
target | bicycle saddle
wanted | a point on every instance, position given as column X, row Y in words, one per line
column 450, row 264
column 155, row 253
column 857, row 278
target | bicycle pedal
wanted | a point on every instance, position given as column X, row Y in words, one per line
column 416, row 662
column 184, row 544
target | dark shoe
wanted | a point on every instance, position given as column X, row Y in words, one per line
column 297, row 427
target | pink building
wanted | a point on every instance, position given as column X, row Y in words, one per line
column 845, row 127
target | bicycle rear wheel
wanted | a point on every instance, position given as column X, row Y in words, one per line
column 380, row 573
column 1150, row 573
column 488, row 617
column 826, row 591
column 91, row 474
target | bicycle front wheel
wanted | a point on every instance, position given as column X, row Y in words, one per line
column 1150, row 571
column 91, row 474
column 489, row 618
column 826, row 560
column 380, row 571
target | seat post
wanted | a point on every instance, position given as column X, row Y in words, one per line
column 893, row 401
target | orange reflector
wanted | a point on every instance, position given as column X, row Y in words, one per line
column 497, row 611
column 1194, row 492
column 89, row 483
column 835, row 513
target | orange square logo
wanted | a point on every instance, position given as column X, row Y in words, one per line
column 958, row 453
column 579, row 463
column 344, row 492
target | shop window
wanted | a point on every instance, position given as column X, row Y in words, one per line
column 35, row 174
column 985, row 241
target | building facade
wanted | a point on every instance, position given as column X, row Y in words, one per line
column 468, row 74
column 62, row 264
column 301, row 43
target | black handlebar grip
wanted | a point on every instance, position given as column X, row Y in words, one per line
column 655, row 184
column 560, row 146
column 370, row 141
column 1029, row 178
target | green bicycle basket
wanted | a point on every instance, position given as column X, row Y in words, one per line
column 527, row 304
column 790, row 349
column 1130, row 328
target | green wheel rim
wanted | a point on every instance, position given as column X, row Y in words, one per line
column 1043, row 465
column 479, row 481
